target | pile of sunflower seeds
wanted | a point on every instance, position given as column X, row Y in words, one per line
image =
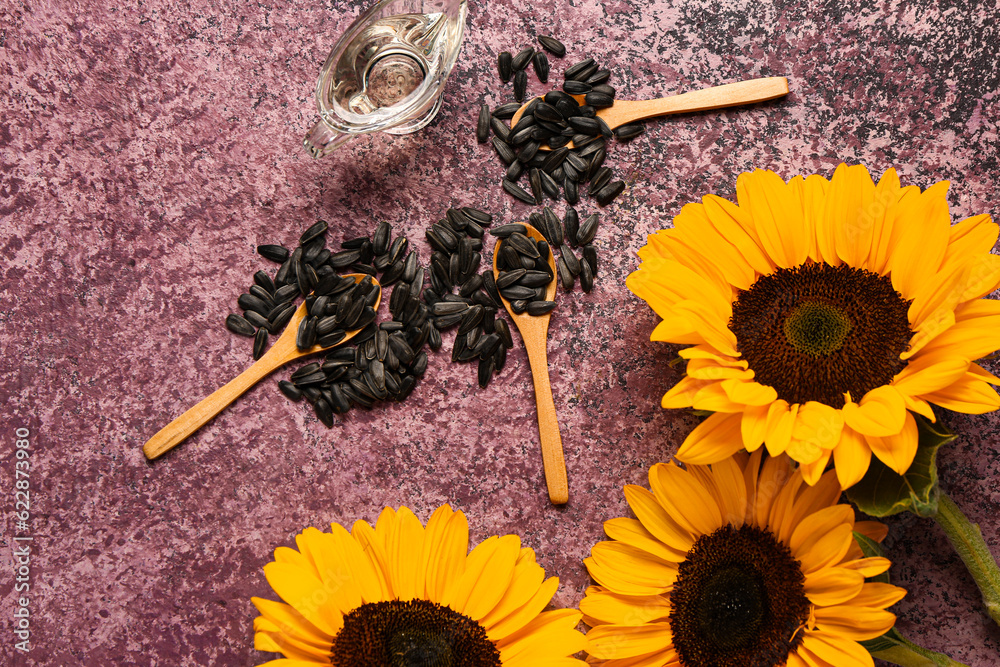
column 457, row 241
column 384, row 360
column 554, row 120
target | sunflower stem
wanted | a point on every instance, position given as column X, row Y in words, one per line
column 968, row 541
column 907, row 654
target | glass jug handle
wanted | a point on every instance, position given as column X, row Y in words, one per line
column 322, row 139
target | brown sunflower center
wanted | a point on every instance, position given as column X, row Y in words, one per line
column 414, row 633
column 738, row 600
column 816, row 331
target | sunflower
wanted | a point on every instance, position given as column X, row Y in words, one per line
column 822, row 315
column 736, row 564
column 401, row 595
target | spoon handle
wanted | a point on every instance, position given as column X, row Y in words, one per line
column 548, row 426
column 716, row 97
column 179, row 429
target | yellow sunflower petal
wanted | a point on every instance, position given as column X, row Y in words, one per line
column 775, row 473
column 685, row 499
column 849, row 203
column 488, row 572
column 693, row 227
column 446, row 545
column 548, row 637
column 735, row 225
column 973, row 236
column 984, row 277
column 887, row 193
column 322, row 550
column 929, row 373
column 304, row 591
column 657, row 520
column 624, row 641
column 291, row 647
column 714, row 398
column 778, row 220
column 632, row 531
column 753, row 426
column 373, row 548
column 851, row 458
column 969, row 394
column 286, row 662
column 824, row 550
column 878, row 595
column 780, row 425
column 975, row 334
column 525, row 584
column 287, row 619
column 918, row 253
column 712, row 440
column 869, row 567
column 825, row 649
column 897, row 451
column 744, row 392
column 833, row 585
column 881, row 412
column 523, row 613
column 607, row 607
column 626, row 570
column 816, row 430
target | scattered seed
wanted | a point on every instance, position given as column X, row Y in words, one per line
column 520, row 85
column 259, row 343
column 608, row 193
column 588, row 230
column 239, row 325
column 521, row 60
column 626, row 132
column 504, row 112
column 483, row 124
column 541, row 63
column 504, row 66
column 552, row 45
column 517, row 191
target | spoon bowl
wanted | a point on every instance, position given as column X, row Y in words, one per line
column 534, row 331
column 281, row 352
column 623, row 112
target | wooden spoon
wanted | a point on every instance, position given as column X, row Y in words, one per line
column 283, row 351
column 534, row 332
column 623, row 112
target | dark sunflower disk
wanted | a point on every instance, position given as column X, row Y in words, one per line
column 738, row 600
column 816, row 332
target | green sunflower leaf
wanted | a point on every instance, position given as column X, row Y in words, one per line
column 897, row 649
column 882, row 492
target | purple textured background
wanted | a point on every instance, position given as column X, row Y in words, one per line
column 145, row 150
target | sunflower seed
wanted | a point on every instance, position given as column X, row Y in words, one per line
column 504, row 150
column 485, row 372
column 503, row 231
column 517, row 191
column 251, row 302
column 541, row 63
column 259, row 343
column 571, row 224
column 508, row 278
column 573, row 70
column 470, row 319
column 549, row 186
column 588, row 230
column 290, row 390
column 572, row 262
column 313, row 232
column 471, row 286
column 584, row 125
column 535, row 179
column 605, row 88
column 608, row 193
column 626, row 132
column 504, row 66
column 239, row 325
column 584, row 74
column 566, row 276
column 599, row 180
column 540, row 307
column 599, row 77
column 500, row 129
column 506, row 111
column 520, row 85
column 275, row 253
column 483, row 124
column 523, row 245
column 598, row 100
column 576, row 87
column 552, row 45
column 516, row 292
column 528, row 152
column 449, row 307
column 571, row 191
column 521, row 60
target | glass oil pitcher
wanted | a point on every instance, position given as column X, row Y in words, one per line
column 387, row 72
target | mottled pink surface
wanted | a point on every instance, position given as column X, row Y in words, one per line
column 147, row 148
